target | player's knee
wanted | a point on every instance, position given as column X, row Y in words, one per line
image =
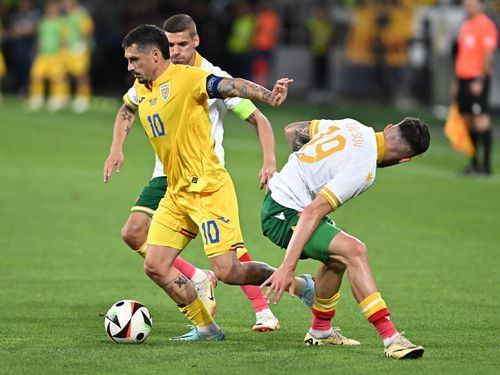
column 132, row 235
column 356, row 253
column 228, row 274
column 359, row 250
column 152, row 269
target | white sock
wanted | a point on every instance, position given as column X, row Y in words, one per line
column 199, row 276
column 265, row 312
column 320, row 334
column 388, row 341
column 209, row 329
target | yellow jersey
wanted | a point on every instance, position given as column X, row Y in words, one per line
column 174, row 114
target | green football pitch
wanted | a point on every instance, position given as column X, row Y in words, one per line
column 433, row 238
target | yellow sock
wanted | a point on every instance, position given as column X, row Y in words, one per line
column 372, row 304
column 197, row 313
column 326, row 304
column 142, row 251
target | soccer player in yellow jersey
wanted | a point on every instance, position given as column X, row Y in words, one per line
column 183, row 39
column 48, row 64
column 338, row 163
column 173, row 109
column 79, row 28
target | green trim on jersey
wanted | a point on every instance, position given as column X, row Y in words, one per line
column 151, row 195
column 244, row 109
column 278, row 223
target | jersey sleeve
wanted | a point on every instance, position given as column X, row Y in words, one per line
column 490, row 37
column 348, row 184
column 196, row 80
column 130, row 99
column 319, row 126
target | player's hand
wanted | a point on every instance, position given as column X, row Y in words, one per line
column 266, row 173
column 280, row 91
column 115, row 159
column 283, row 279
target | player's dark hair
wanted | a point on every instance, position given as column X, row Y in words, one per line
column 146, row 37
column 416, row 134
column 179, row 23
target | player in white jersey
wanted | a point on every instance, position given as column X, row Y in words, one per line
column 338, row 162
column 183, row 40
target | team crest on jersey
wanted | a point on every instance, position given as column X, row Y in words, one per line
column 165, row 91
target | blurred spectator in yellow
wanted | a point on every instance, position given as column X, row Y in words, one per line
column 379, row 38
column 240, row 42
column 79, row 29
column 477, row 42
column 320, row 30
column 49, row 64
column 2, row 60
column 21, row 28
column 267, row 26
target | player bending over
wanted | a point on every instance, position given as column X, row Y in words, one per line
column 338, row 163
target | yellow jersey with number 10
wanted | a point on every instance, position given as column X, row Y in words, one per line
column 174, row 114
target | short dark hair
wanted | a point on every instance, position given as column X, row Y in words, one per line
column 179, row 23
column 146, row 37
column 416, row 134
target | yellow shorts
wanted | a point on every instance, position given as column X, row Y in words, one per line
column 77, row 64
column 2, row 66
column 179, row 218
column 48, row 67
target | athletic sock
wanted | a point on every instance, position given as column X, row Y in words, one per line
column 142, row 250
column 487, row 146
column 253, row 292
column 474, row 136
column 197, row 313
column 323, row 312
column 187, row 269
column 375, row 310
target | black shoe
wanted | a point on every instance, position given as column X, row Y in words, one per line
column 471, row 170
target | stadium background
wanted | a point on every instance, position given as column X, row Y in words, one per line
column 431, row 232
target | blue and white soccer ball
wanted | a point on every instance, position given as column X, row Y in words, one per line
column 128, row 322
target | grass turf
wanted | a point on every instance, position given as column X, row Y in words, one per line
column 432, row 236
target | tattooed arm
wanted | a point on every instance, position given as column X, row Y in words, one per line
column 239, row 87
column 266, row 139
column 123, row 123
column 297, row 134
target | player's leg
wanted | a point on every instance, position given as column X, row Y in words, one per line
column 353, row 254
column 170, row 232
column 80, row 66
column 265, row 319
column 327, row 287
column 59, row 85
column 135, row 231
column 482, row 127
column 36, row 85
column 217, row 216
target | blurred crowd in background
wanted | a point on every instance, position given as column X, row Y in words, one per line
column 394, row 51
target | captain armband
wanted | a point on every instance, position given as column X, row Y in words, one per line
column 213, row 86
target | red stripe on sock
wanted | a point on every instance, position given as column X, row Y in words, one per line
column 322, row 321
column 184, row 267
column 384, row 326
column 379, row 314
column 245, row 258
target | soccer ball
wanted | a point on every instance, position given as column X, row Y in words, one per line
column 128, row 321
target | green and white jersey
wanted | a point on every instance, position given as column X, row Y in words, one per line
column 339, row 162
column 217, row 109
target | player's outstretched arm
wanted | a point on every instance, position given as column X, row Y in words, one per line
column 266, row 138
column 123, row 123
column 283, row 278
column 297, row 134
column 239, row 87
